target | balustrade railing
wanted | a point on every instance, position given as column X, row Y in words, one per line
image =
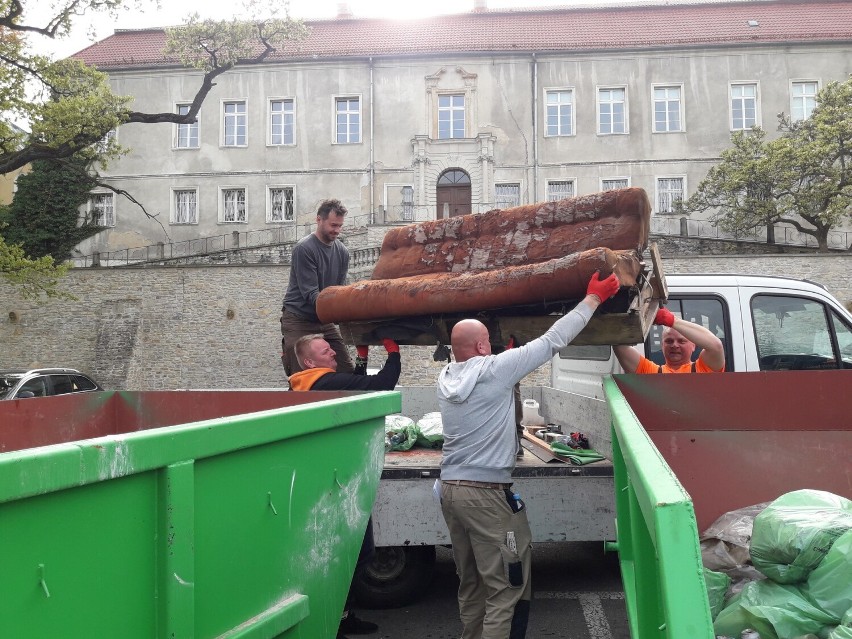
column 216, row 247
column 779, row 234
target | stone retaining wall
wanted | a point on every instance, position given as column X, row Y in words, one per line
column 207, row 326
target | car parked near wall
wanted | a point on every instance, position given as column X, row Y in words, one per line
column 43, row 382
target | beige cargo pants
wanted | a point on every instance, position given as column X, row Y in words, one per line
column 493, row 552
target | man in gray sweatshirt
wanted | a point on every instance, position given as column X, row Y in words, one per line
column 318, row 260
column 487, row 522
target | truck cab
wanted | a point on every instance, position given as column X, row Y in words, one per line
column 765, row 323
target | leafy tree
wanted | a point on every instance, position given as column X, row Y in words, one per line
column 71, row 109
column 802, row 178
column 43, row 219
column 32, row 278
column 70, row 106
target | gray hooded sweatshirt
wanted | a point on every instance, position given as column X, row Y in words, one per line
column 477, row 405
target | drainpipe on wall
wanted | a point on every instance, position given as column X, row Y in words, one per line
column 535, row 127
column 372, row 128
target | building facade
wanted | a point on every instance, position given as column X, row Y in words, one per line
column 419, row 119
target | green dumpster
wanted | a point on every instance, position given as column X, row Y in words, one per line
column 185, row 514
column 690, row 448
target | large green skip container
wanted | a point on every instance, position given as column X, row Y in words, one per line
column 185, row 514
column 689, row 448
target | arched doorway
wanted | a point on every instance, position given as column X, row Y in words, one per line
column 453, row 193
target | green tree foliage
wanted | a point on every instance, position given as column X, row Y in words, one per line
column 32, row 278
column 71, row 108
column 44, row 217
column 802, row 178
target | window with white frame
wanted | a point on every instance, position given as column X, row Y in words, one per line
column 348, row 120
column 803, row 99
column 559, row 189
column 233, row 205
column 609, row 184
column 560, row 112
column 670, row 190
column 102, row 209
column 407, row 203
column 235, row 123
column 186, row 135
column 281, row 122
column 507, row 195
column 668, row 110
column 184, row 206
column 399, row 202
column 281, row 206
column 612, row 103
column 450, row 116
column 743, row 106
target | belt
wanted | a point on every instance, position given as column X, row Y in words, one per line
column 475, row 484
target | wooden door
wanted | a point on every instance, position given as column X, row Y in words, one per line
column 453, row 194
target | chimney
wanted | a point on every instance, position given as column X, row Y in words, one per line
column 480, row 5
column 343, row 11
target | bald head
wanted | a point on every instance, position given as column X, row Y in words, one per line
column 469, row 339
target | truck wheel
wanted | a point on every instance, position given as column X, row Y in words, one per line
column 396, row 576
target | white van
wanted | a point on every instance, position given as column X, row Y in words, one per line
column 765, row 323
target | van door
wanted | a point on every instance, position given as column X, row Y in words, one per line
column 581, row 369
column 797, row 332
column 708, row 310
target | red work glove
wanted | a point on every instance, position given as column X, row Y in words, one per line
column 362, row 350
column 390, row 345
column 664, row 317
column 603, row 289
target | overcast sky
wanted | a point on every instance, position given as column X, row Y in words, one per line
column 173, row 12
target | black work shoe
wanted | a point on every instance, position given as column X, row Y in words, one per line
column 351, row 625
column 520, row 452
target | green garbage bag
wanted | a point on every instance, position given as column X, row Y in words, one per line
column 844, row 630
column 400, row 432
column 829, row 586
column 775, row 611
column 793, row 534
column 717, row 585
column 430, row 430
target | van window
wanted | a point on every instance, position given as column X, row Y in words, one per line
column 793, row 333
column 706, row 312
column 844, row 339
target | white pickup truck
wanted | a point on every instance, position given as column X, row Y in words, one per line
column 765, row 323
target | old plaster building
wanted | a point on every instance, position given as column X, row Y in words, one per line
column 412, row 120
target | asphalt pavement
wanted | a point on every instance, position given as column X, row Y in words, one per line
column 577, row 594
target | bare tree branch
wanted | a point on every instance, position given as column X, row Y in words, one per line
column 122, row 192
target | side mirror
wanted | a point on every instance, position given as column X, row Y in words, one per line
column 25, row 395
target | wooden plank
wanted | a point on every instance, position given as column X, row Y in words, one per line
column 658, row 279
column 540, row 449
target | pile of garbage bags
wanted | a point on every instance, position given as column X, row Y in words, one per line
column 782, row 570
column 403, row 433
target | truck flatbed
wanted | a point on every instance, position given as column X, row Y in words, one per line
column 565, row 502
column 424, row 463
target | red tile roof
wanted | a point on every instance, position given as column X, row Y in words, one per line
column 564, row 29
